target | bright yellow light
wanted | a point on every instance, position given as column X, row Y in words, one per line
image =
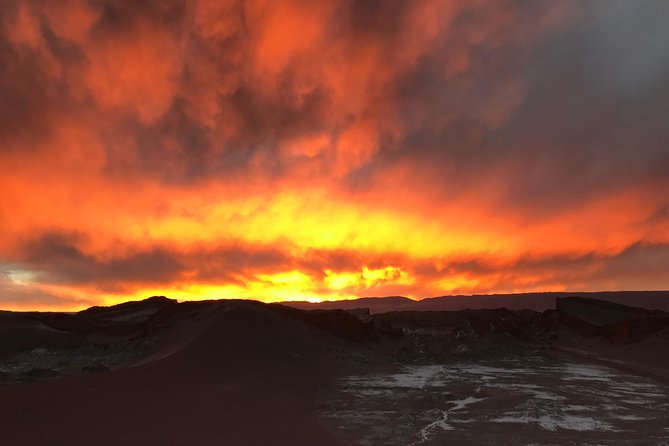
column 292, row 285
column 458, row 282
column 315, row 220
column 339, row 281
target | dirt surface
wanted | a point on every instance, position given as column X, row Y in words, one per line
column 245, row 373
column 523, row 399
column 249, row 376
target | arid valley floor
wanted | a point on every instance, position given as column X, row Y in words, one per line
column 245, row 373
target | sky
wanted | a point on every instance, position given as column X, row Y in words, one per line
column 302, row 150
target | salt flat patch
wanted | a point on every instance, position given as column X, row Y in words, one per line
column 579, row 408
column 495, row 372
column 583, row 372
column 533, row 390
column 429, row 376
column 550, row 415
column 465, row 420
column 629, row 417
column 461, row 404
column 414, row 377
column 419, row 377
column 441, row 423
column 638, row 389
column 552, row 423
column 436, row 403
column 369, row 392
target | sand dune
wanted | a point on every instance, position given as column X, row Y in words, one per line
column 248, row 377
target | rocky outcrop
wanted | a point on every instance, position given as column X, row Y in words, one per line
column 340, row 323
column 602, row 318
column 135, row 311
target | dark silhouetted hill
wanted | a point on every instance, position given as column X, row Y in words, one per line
column 532, row 301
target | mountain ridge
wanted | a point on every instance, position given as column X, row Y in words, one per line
column 538, row 301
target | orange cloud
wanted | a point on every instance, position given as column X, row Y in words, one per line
column 326, row 150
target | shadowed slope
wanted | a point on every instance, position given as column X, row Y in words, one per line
column 249, row 377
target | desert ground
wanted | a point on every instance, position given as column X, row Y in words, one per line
column 246, row 373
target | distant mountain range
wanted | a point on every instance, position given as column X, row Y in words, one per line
column 654, row 300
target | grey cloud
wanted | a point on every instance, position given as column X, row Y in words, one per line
column 14, row 293
column 585, row 126
column 57, row 258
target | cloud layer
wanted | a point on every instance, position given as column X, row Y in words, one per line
column 331, row 149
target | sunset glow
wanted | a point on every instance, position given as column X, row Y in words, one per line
column 323, row 150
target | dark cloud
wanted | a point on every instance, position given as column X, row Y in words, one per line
column 554, row 106
column 57, row 258
column 16, row 293
column 580, row 132
column 661, row 215
column 29, row 96
column 506, row 144
column 552, row 121
column 639, row 266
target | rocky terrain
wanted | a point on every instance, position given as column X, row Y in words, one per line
column 240, row 372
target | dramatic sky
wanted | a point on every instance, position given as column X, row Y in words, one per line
column 331, row 149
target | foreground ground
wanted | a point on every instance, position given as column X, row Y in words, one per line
column 244, row 373
column 524, row 399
